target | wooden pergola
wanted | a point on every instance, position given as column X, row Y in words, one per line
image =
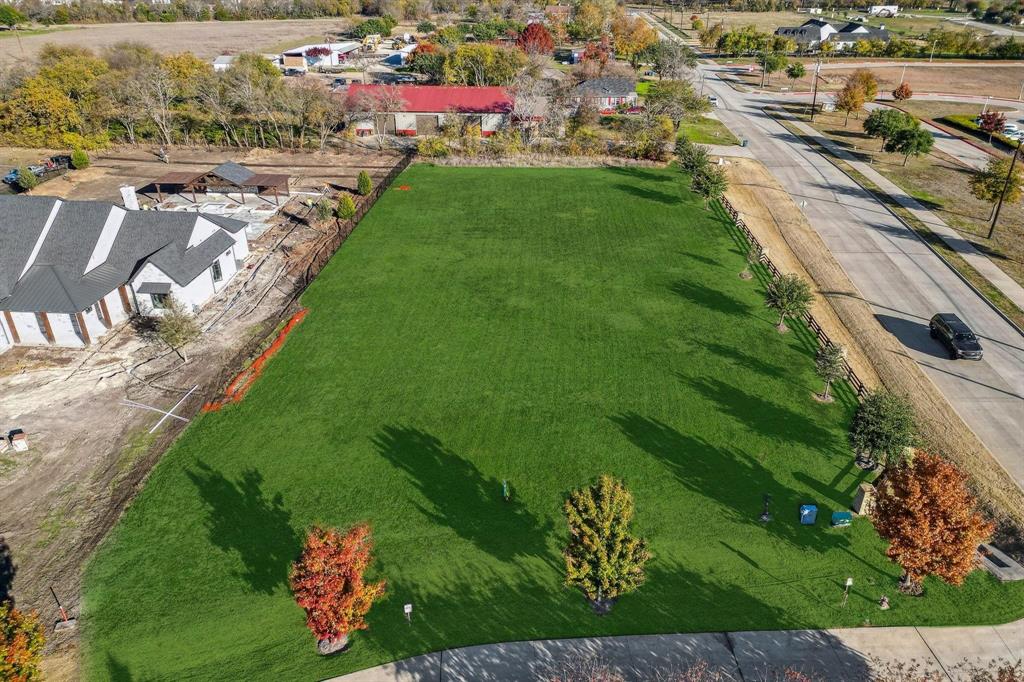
column 225, row 178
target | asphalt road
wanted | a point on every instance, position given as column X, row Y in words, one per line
column 903, row 280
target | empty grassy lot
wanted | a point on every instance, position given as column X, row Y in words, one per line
column 541, row 326
column 706, row 130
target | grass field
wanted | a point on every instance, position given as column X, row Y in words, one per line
column 707, row 131
column 537, row 326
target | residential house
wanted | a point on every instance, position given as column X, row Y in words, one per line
column 319, row 55
column 812, row 33
column 608, row 93
column 808, row 35
column 223, row 62
column 850, row 34
column 72, row 270
column 421, row 109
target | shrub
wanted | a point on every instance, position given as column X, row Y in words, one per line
column 426, row 27
column 328, row 582
column 433, row 147
column 364, row 185
column 79, row 159
column 693, row 158
column 346, row 209
column 25, row 179
column 602, row 558
column 21, row 644
column 882, row 429
column 709, row 183
column 323, row 209
column 902, row 92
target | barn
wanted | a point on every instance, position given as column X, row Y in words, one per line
column 421, row 109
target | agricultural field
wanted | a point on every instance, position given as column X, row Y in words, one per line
column 534, row 326
column 205, row 39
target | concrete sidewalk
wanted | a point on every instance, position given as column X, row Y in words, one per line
column 979, row 261
column 846, row 655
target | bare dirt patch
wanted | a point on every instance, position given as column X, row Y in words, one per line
column 89, row 454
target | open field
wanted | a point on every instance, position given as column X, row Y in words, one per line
column 939, row 182
column 537, row 326
column 707, row 130
column 205, row 39
column 904, row 26
column 995, row 79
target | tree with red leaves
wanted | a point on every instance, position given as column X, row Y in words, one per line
column 327, row 582
column 927, row 514
column 21, row 644
column 992, row 122
column 535, row 39
column 318, row 51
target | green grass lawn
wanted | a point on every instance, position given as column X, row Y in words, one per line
column 541, row 326
column 707, row 131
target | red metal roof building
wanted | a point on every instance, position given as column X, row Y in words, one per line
column 423, row 106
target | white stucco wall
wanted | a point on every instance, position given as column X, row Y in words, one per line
column 63, row 330
column 6, row 338
column 29, row 331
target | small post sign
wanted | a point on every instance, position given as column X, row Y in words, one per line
column 846, row 592
column 408, row 613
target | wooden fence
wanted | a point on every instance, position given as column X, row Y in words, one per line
column 330, row 243
column 823, row 339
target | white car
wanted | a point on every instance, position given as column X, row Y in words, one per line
column 713, row 100
column 1011, row 128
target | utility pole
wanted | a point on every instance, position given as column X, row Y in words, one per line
column 1002, row 195
column 932, row 55
column 814, row 97
column 1021, row 95
column 903, row 76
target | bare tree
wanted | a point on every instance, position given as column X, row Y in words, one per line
column 154, row 88
column 375, row 105
column 529, row 97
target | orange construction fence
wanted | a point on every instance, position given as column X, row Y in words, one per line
column 241, row 384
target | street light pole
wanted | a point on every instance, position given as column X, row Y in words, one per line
column 1021, row 95
column 932, row 55
column 1002, row 195
column 903, row 75
column 814, row 97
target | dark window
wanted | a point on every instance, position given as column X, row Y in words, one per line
column 159, row 300
column 217, row 274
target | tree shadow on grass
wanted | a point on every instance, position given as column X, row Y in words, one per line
column 7, row 572
column 641, row 174
column 242, row 521
column 649, row 194
column 734, row 479
column 461, row 497
column 763, row 416
column 748, row 361
column 705, row 296
column 117, row 671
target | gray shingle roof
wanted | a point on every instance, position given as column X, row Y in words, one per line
column 29, row 217
column 232, row 172
column 606, row 87
column 55, row 282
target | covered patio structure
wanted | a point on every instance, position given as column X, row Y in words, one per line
column 227, row 178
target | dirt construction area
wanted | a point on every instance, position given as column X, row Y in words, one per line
column 89, row 452
column 205, row 39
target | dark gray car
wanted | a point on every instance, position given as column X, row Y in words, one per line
column 956, row 336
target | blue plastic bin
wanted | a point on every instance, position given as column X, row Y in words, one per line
column 808, row 514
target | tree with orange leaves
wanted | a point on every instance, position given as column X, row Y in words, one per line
column 327, row 582
column 927, row 514
column 21, row 644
